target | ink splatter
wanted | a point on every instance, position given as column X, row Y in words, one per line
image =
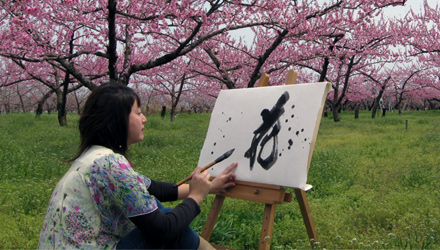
column 270, row 121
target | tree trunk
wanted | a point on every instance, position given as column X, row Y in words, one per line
column 164, row 110
column 335, row 105
column 175, row 99
column 262, row 59
column 62, row 95
column 377, row 99
column 112, row 44
column 335, row 115
column 21, row 100
column 173, row 105
column 39, row 109
column 173, row 112
column 7, row 108
column 326, row 59
column 399, row 108
column 374, row 109
column 48, row 108
column 61, row 108
column 78, row 106
column 356, row 113
column 41, row 102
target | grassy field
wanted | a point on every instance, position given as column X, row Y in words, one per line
column 376, row 184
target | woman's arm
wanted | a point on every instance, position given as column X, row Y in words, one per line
column 163, row 227
column 163, row 191
column 166, row 226
column 166, row 191
column 183, row 191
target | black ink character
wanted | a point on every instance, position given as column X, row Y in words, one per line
column 270, row 121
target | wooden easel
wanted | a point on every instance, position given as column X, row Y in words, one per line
column 270, row 195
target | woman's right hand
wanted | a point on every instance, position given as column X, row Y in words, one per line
column 199, row 185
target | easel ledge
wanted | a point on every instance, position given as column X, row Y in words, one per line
column 270, row 195
column 258, row 192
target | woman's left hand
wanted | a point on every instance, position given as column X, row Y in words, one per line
column 224, row 181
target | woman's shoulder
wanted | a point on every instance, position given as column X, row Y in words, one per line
column 97, row 156
column 96, row 151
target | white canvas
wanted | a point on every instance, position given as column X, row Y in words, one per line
column 284, row 157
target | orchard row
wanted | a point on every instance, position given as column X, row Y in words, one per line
column 182, row 53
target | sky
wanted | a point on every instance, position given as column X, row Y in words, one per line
column 416, row 5
column 396, row 11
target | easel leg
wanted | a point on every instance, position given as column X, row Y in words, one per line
column 212, row 217
column 307, row 215
column 267, row 228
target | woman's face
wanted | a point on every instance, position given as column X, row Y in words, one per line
column 136, row 122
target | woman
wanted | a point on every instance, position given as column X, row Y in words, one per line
column 101, row 202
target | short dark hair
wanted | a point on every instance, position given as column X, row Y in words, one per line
column 104, row 118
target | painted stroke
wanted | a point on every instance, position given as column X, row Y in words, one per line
column 271, row 120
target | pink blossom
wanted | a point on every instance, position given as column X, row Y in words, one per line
column 18, row 20
column 32, row 11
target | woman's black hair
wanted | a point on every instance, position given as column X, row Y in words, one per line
column 104, row 118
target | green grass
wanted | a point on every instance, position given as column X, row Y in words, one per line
column 376, row 185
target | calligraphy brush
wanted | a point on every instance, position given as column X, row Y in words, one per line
column 219, row 159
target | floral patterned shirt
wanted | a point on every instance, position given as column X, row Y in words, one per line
column 91, row 205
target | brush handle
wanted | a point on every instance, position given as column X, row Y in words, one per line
column 191, row 175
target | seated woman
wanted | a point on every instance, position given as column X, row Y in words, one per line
column 103, row 203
